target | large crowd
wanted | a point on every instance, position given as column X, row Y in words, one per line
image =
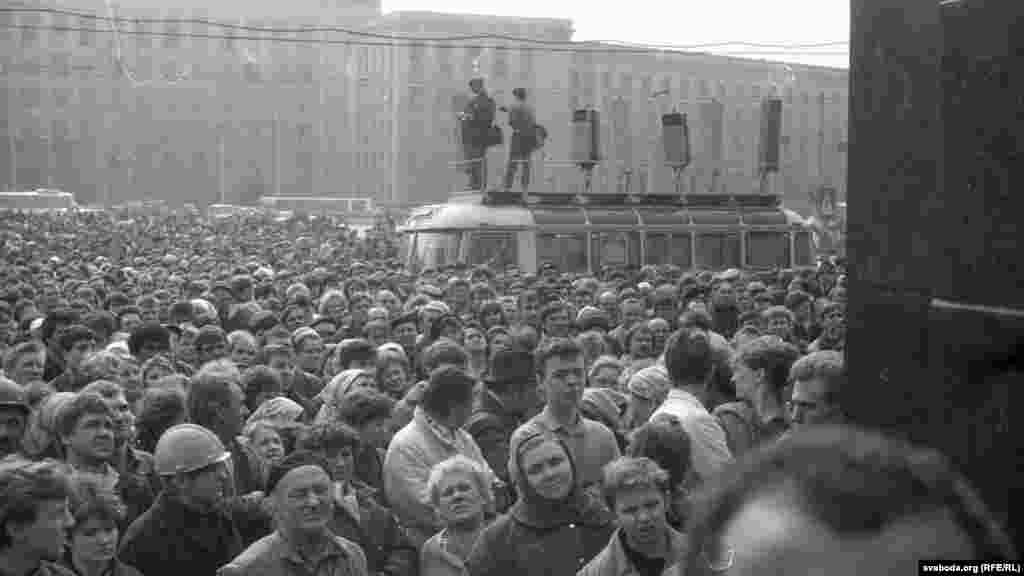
column 258, row 396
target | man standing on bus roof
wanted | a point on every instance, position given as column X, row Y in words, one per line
column 523, row 141
column 477, row 119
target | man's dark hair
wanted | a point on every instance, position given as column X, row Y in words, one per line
column 771, row 354
column 688, row 357
column 132, row 309
column 72, row 335
column 158, row 410
column 555, row 348
column 100, row 322
column 24, row 485
column 209, row 396
column 509, row 367
column 327, row 438
column 66, row 316
column 78, row 407
column 181, row 311
column 519, row 93
column 148, row 332
column 447, row 386
column 259, row 380
column 825, row 365
column 444, row 351
column 696, row 319
column 855, row 483
column 665, row 441
column 363, row 405
column 355, row 350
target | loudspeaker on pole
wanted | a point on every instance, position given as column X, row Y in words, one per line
column 586, row 145
column 675, row 133
column 771, row 129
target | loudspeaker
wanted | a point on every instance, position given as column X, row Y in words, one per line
column 771, row 129
column 586, row 132
column 675, row 134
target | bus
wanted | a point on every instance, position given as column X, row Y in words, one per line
column 41, row 200
column 584, row 234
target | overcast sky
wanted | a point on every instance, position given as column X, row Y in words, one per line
column 686, row 22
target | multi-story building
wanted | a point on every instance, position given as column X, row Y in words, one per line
column 129, row 110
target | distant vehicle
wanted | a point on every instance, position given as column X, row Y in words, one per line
column 41, row 200
column 320, row 205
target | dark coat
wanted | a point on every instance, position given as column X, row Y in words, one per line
column 172, row 540
column 515, row 546
column 117, row 568
column 388, row 550
column 492, row 425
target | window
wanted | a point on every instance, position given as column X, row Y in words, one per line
column 616, row 248
column 435, row 249
column 704, row 92
column 525, row 64
column 29, row 35
column 804, row 252
column 141, row 34
column 60, row 27
column 767, row 249
column 60, row 64
column 568, row 252
column 229, row 42
column 718, row 250
column 172, row 38
column 85, row 32
column 444, row 62
column 500, row 63
column 494, row 249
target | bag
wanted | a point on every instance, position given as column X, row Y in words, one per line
column 495, row 137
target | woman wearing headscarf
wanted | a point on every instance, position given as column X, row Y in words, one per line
column 332, row 394
column 554, row 528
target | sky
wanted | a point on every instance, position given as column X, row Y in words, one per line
column 687, row 23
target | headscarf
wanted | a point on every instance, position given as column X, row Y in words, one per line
column 279, row 412
column 651, row 383
column 41, row 431
column 539, row 512
column 335, row 391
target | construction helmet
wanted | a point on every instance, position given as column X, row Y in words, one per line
column 187, row 448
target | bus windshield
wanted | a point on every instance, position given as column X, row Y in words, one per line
column 496, row 249
column 434, row 249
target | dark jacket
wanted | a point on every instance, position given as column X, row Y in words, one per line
column 138, row 483
column 369, row 468
column 388, row 550
column 540, row 537
column 117, row 568
column 248, row 468
column 491, row 425
column 173, row 540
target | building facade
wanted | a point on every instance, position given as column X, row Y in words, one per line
column 130, row 110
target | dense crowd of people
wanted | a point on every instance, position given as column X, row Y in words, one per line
column 251, row 396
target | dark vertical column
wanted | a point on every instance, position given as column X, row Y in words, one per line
column 936, row 124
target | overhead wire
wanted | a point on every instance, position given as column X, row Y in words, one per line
column 415, row 40
column 610, row 50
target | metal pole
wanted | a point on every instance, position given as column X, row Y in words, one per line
column 220, row 162
column 277, row 153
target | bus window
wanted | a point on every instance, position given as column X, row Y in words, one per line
column 435, row 249
column 680, row 253
column 663, row 248
column 718, row 250
column 616, row 248
column 405, row 248
column 568, row 252
column 658, row 249
column 804, row 253
column 495, row 249
column 766, row 249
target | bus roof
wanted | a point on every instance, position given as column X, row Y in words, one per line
column 466, row 213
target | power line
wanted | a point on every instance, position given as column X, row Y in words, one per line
column 412, row 44
column 412, row 38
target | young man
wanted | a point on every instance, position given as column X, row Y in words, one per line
column 34, row 518
column 635, row 490
column 74, row 344
column 559, row 366
column 301, row 490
